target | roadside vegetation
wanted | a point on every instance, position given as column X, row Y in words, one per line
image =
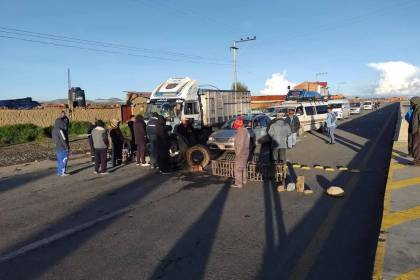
column 23, row 133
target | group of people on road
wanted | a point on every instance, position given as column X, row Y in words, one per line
column 282, row 131
column 150, row 139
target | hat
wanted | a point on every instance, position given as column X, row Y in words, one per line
column 238, row 123
column 115, row 122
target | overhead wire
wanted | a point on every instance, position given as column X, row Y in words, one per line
column 55, row 37
column 110, row 51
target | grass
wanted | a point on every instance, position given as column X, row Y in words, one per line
column 23, row 133
column 19, row 133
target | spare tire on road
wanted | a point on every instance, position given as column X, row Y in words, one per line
column 198, row 155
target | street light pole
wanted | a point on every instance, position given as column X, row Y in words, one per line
column 234, row 48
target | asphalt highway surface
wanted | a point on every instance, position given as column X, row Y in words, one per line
column 136, row 224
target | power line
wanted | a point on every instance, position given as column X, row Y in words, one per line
column 187, row 12
column 55, row 37
column 109, row 51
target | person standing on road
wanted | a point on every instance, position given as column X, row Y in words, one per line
column 151, row 135
column 117, row 140
column 241, row 142
column 100, row 143
column 90, row 141
column 140, row 138
column 279, row 131
column 409, row 118
column 331, row 125
column 415, row 130
column 293, row 121
column 62, row 146
column 133, row 146
column 162, row 141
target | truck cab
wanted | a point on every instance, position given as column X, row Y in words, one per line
column 174, row 99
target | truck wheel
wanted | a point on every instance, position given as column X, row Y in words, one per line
column 198, row 155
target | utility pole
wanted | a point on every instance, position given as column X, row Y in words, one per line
column 69, row 99
column 234, row 48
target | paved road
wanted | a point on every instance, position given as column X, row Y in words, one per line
column 183, row 226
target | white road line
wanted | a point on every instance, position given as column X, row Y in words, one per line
column 63, row 234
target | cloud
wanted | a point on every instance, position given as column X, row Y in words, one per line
column 397, row 77
column 277, row 84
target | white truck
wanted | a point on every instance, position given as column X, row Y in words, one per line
column 179, row 98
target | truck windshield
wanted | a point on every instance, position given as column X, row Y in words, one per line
column 168, row 109
column 336, row 106
column 355, row 104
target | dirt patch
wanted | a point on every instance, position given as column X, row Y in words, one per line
column 37, row 151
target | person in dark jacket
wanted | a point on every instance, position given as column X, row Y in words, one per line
column 186, row 131
column 409, row 118
column 241, row 142
column 162, row 141
column 415, row 130
column 279, row 131
column 100, row 143
column 133, row 145
column 151, row 135
column 293, row 121
column 62, row 146
column 117, row 140
column 90, row 141
column 140, row 138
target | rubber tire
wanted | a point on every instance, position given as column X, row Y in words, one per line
column 200, row 148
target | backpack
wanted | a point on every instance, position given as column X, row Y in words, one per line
column 409, row 115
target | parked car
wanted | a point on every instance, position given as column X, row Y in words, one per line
column 355, row 108
column 223, row 139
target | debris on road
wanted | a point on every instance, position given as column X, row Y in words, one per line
column 335, row 191
column 300, row 184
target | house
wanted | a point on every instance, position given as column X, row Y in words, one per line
column 261, row 102
column 321, row 87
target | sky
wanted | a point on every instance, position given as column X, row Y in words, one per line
column 365, row 46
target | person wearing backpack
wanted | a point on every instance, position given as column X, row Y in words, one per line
column 331, row 125
column 409, row 118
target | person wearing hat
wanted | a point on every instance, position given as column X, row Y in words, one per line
column 117, row 142
column 293, row 121
column 279, row 131
column 241, row 143
column 100, row 144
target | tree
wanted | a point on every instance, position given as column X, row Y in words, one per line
column 240, row 86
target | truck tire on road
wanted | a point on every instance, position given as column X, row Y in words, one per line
column 198, row 155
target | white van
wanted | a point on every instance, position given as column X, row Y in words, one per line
column 341, row 108
column 355, row 108
column 311, row 114
column 368, row 105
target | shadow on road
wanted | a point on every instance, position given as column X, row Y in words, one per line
column 114, row 200
column 189, row 256
column 337, row 238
